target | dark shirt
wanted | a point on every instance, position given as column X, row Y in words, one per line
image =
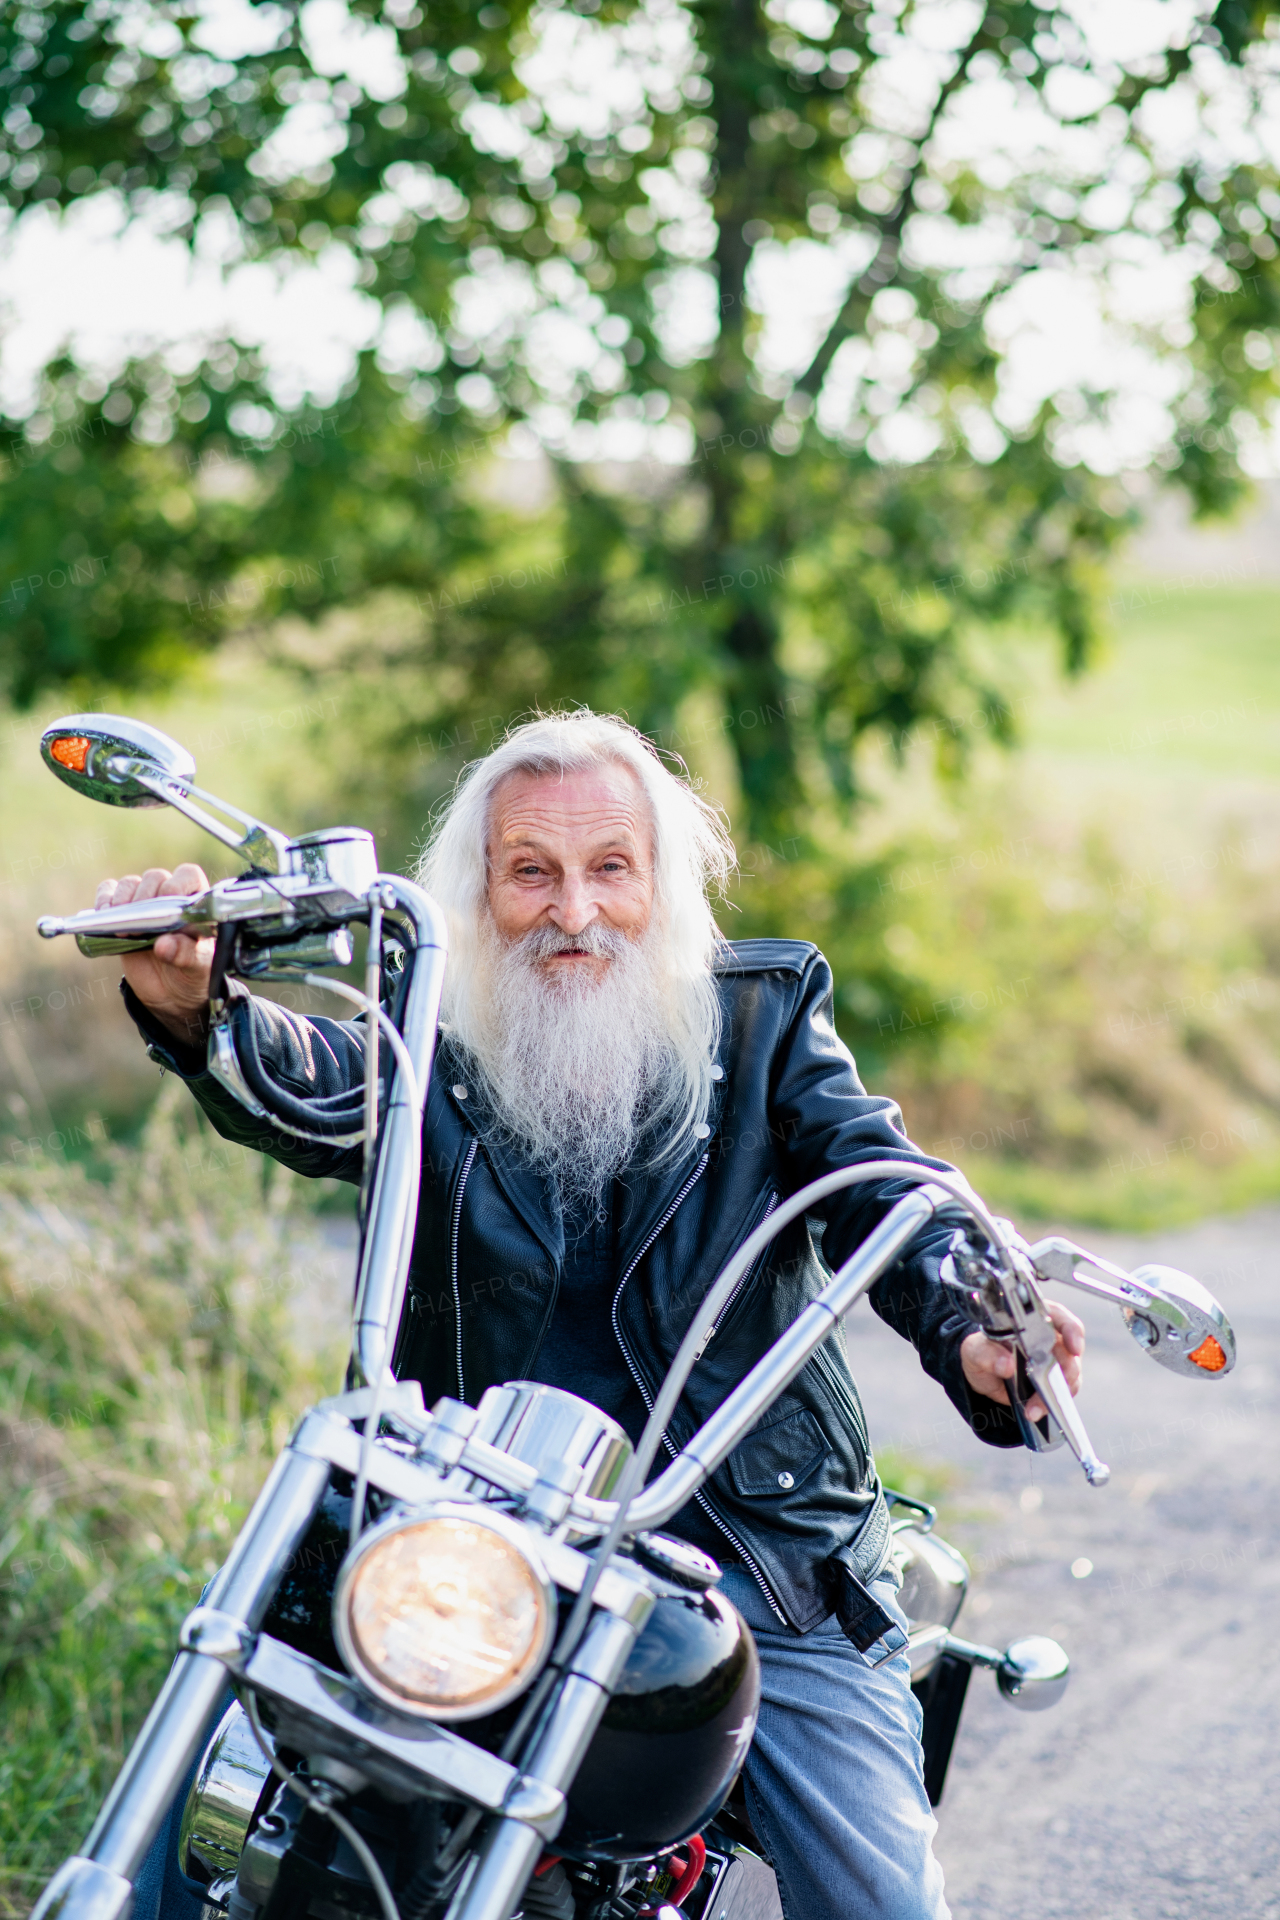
column 581, row 1352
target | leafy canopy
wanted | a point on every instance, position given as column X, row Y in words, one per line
column 755, row 282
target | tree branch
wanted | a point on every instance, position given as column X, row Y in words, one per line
column 880, row 270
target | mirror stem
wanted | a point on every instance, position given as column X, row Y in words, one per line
column 259, row 845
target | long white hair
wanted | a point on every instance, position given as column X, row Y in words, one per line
column 692, row 859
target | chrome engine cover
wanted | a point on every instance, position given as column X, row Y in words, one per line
column 224, row 1795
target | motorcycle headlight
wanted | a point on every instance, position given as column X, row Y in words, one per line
column 447, row 1613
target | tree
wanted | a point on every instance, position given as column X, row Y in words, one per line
column 568, row 219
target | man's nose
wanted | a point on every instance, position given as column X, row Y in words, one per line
column 573, row 907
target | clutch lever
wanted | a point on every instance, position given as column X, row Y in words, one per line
column 1010, row 1309
column 134, row 927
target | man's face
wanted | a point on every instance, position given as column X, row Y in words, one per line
column 571, row 852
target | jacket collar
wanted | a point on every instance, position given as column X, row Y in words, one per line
column 646, row 1191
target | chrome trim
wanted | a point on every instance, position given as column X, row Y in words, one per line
column 1034, row 1673
column 82, row 1890
column 549, row 1427
column 223, row 1064
column 226, row 1790
column 934, row 1578
column 1169, row 1313
column 219, row 1635
column 320, row 1711
column 925, row 1646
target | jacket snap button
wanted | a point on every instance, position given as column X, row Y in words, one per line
column 459, row 1092
column 702, row 1130
column 786, row 1481
column 717, row 1072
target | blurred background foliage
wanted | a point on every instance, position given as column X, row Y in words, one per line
column 840, row 565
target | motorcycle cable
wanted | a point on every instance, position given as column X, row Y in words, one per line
column 373, row 995
column 354, row 1839
column 414, row 1104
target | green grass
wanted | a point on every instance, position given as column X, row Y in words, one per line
column 147, row 1378
column 1188, row 690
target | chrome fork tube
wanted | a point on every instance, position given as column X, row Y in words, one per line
column 393, row 1205
column 98, row 1884
column 508, row 1852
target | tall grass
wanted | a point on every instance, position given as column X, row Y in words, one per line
column 148, row 1374
column 1087, row 1039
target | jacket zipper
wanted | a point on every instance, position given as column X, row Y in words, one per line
column 750, row 1274
column 472, row 1151
column 634, row 1371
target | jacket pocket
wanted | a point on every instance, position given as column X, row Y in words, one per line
column 776, row 1459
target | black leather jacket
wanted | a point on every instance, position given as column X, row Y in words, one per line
column 489, row 1244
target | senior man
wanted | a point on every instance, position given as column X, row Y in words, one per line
column 620, row 1096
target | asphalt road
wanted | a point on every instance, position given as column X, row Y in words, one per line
column 1153, row 1789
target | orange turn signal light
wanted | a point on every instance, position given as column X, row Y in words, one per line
column 71, row 751
column 1209, row 1355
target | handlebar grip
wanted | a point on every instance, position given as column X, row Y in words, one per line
column 101, row 946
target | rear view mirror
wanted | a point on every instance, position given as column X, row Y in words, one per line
column 126, row 763
column 1170, row 1315
column 1181, row 1324
column 102, row 755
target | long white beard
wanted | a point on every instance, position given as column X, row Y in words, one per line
column 573, row 1066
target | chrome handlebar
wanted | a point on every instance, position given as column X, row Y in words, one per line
column 1011, row 1308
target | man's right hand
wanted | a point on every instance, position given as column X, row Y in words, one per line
column 172, row 978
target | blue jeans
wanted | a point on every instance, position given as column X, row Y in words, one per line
column 835, row 1779
column 835, row 1783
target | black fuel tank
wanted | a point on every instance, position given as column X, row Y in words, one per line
column 673, row 1736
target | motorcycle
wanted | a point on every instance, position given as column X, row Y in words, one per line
column 453, row 1665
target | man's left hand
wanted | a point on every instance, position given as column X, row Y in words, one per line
column 987, row 1364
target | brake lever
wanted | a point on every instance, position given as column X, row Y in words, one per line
column 1010, row 1309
